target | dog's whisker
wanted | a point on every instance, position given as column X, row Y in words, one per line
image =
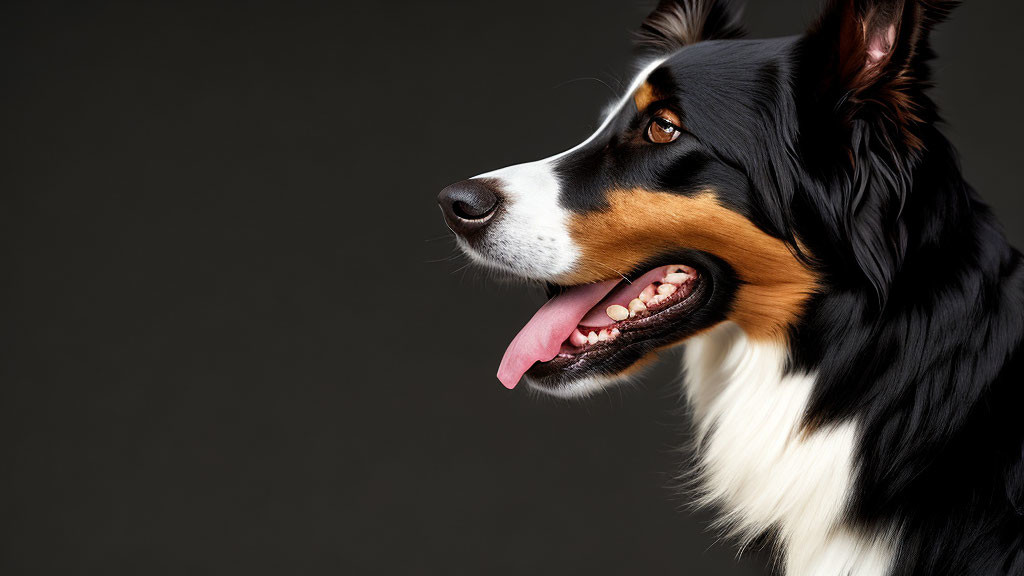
column 586, row 78
column 448, row 236
column 451, row 258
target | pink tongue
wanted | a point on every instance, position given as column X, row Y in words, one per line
column 542, row 337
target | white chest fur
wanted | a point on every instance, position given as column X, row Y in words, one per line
column 759, row 467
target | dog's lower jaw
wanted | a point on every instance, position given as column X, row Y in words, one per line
column 577, row 389
column 757, row 465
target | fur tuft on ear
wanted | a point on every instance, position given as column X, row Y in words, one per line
column 677, row 23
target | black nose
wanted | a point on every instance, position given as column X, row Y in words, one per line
column 468, row 205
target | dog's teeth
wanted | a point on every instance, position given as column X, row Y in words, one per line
column 617, row 313
column 636, row 306
column 676, row 278
column 647, row 294
column 615, row 332
column 592, row 337
column 680, row 268
column 603, row 336
column 577, row 338
column 655, row 301
column 666, row 289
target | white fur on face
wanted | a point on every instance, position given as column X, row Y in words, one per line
column 578, row 389
column 756, row 463
column 531, row 236
column 586, row 387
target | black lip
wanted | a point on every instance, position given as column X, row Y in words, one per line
column 703, row 308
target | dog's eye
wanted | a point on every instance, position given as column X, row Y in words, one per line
column 664, row 127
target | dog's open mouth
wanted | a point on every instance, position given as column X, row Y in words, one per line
column 602, row 328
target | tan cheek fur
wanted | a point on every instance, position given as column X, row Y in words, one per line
column 638, row 225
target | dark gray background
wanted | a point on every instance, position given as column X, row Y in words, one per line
column 232, row 340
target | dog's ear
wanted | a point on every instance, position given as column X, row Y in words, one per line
column 677, row 23
column 862, row 79
column 870, row 57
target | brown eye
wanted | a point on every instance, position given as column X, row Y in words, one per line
column 664, row 127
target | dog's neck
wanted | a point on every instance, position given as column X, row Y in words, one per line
column 815, row 441
column 950, row 322
column 759, row 465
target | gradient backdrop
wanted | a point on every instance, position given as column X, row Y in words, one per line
column 235, row 339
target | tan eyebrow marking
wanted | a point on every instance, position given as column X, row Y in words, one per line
column 644, row 95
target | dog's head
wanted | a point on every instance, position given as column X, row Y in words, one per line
column 731, row 182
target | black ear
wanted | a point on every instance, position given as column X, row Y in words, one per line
column 870, row 58
column 863, row 76
column 678, row 23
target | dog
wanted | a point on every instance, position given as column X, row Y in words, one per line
column 850, row 310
